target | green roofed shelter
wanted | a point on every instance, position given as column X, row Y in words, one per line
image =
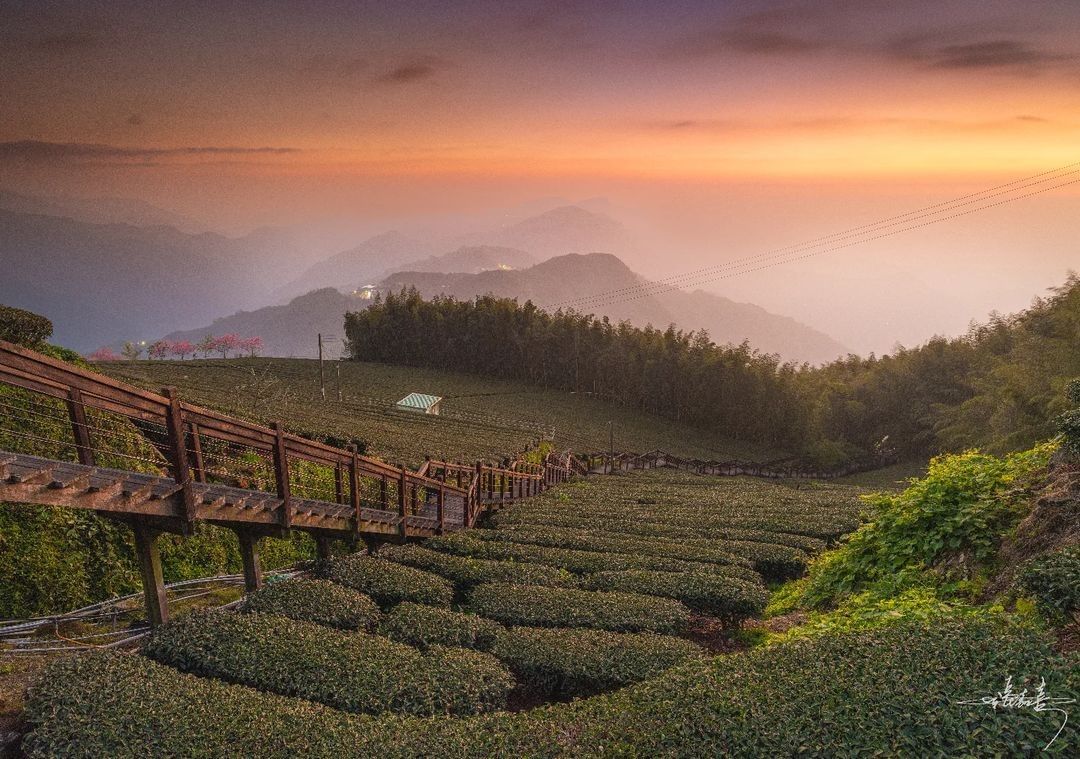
column 421, row 403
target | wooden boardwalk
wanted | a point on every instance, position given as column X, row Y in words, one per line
column 186, row 469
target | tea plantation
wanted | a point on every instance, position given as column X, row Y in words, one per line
column 591, row 598
column 481, row 418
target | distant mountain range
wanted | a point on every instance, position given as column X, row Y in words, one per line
column 567, row 278
column 290, row 330
column 108, row 271
column 100, row 283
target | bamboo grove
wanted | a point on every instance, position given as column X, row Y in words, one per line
column 1000, row 386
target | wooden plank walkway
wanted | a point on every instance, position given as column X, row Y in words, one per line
column 372, row 500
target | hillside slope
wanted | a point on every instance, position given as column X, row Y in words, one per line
column 481, row 417
column 569, row 277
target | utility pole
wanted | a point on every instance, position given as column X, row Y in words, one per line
column 322, row 381
column 337, row 369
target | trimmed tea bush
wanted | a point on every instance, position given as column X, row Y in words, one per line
column 579, row 662
column 716, row 595
column 580, row 562
column 465, row 571
column 320, row 601
column 890, row 691
column 387, row 582
column 351, row 671
column 1054, row 581
column 557, row 537
column 424, row 626
column 536, row 606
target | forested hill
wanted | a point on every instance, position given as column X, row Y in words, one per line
column 565, row 278
column 998, row 387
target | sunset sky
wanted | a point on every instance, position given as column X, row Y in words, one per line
column 714, row 128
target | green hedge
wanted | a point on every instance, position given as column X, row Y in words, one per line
column 465, row 571
column 24, row 327
column 572, row 560
column 891, row 691
column 387, row 582
column 719, row 596
column 423, row 626
column 536, row 606
column 320, row 601
column 351, row 671
column 568, row 662
column 557, row 537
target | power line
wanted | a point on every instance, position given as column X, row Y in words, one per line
column 866, row 230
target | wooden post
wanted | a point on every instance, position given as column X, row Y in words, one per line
column 439, row 508
column 502, row 486
column 354, row 487
column 491, row 486
column 479, row 485
column 403, row 528
column 146, row 548
column 339, row 484
column 174, row 426
column 77, row 412
column 281, row 475
column 196, row 449
column 249, row 554
column 322, row 547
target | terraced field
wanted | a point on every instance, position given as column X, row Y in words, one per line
column 611, row 591
column 480, row 418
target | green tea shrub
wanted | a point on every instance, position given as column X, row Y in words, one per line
column 424, row 626
column 556, row 537
column 320, row 601
column 713, row 594
column 890, row 691
column 1053, row 580
column 387, row 582
column 572, row 560
column 465, row 571
column 536, row 606
column 351, row 671
column 569, row 662
column 1068, row 423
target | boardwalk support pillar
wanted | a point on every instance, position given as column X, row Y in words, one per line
column 146, row 547
column 249, row 554
column 322, row 547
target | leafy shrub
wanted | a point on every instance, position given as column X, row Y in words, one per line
column 1053, row 579
column 351, row 671
column 465, row 571
column 24, row 327
column 570, row 559
column 536, row 606
column 423, row 626
column 713, row 594
column 319, row 601
column 387, row 582
column 889, row 691
column 963, row 506
column 568, row 662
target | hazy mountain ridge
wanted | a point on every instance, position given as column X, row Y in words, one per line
column 290, row 330
column 105, row 282
column 106, row 210
column 567, row 278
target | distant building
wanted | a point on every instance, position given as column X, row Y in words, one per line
column 367, row 292
column 420, row 403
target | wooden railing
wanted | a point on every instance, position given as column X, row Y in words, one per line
column 195, row 464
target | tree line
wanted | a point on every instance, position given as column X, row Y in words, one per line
column 181, row 349
column 999, row 386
